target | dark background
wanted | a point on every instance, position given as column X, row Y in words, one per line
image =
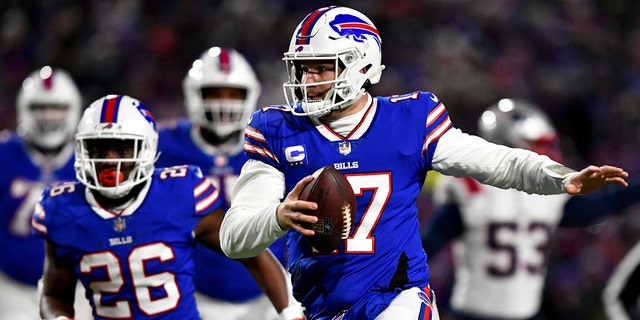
column 579, row 60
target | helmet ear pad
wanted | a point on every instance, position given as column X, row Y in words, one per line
column 344, row 93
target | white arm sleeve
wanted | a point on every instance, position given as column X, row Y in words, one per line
column 460, row 154
column 251, row 225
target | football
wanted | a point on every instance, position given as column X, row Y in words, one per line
column 336, row 208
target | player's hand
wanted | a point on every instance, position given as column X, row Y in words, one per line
column 290, row 214
column 593, row 177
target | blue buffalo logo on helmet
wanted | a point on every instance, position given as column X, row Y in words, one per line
column 348, row 26
column 345, row 25
column 147, row 115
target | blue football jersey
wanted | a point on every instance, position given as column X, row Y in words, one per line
column 385, row 159
column 216, row 275
column 137, row 263
column 22, row 180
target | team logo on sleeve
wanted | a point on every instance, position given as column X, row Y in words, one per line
column 296, row 155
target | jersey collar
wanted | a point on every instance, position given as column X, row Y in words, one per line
column 355, row 126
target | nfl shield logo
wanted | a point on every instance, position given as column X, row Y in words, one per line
column 344, row 147
column 119, row 224
column 324, row 226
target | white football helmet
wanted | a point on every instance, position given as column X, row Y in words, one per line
column 48, row 108
column 221, row 68
column 519, row 124
column 345, row 36
column 116, row 117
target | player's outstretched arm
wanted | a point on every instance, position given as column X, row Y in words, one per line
column 593, row 177
column 613, row 199
column 58, row 286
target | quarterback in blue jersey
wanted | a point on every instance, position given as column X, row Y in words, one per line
column 126, row 229
column 221, row 91
column 384, row 146
column 38, row 153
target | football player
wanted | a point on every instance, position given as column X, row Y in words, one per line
column 221, row 91
column 501, row 236
column 384, row 146
column 128, row 230
column 39, row 152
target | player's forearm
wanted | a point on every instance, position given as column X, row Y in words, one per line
column 52, row 307
column 246, row 234
column 56, row 288
column 251, row 225
column 459, row 154
column 270, row 276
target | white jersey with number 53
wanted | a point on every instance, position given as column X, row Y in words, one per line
column 501, row 254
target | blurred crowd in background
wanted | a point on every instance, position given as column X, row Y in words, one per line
column 579, row 60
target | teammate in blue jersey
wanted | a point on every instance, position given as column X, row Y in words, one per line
column 500, row 237
column 384, row 146
column 221, row 91
column 39, row 152
column 128, row 230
